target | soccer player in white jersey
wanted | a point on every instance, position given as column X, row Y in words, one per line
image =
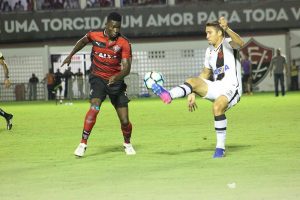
column 223, row 64
column 8, row 117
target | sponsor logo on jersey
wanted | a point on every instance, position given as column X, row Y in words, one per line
column 260, row 57
column 104, row 55
column 221, row 70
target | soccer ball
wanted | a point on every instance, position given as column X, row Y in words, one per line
column 153, row 77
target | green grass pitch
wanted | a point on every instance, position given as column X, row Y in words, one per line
column 174, row 152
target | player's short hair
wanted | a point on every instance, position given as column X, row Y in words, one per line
column 217, row 26
column 114, row 16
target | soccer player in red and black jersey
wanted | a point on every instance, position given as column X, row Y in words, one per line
column 111, row 62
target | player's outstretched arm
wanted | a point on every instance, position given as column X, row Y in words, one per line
column 79, row 45
column 192, row 102
column 7, row 83
column 237, row 41
column 205, row 74
column 126, row 67
column 6, row 73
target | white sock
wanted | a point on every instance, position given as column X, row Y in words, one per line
column 220, row 127
column 181, row 91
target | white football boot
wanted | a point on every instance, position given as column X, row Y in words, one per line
column 79, row 151
column 128, row 148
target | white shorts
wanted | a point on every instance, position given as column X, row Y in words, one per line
column 216, row 89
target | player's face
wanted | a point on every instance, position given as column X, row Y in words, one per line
column 213, row 36
column 113, row 29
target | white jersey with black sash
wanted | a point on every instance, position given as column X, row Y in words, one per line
column 225, row 64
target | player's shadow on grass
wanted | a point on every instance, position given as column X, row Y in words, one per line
column 103, row 150
column 178, row 152
column 231, row 148
column 234, row 148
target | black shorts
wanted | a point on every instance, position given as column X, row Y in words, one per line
column 116, row 92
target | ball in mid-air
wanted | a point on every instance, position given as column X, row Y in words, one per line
column 153, row 77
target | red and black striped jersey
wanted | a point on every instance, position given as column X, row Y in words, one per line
column 107, row 55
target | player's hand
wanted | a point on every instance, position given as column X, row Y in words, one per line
column 111, row 80
column 192, row 102
column 66, row 61
column 6, row 83
column 223, row 23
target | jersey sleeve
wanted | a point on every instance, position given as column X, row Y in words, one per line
column 126, row 50
column 89, row 36
column 206, row 59
column 1, row 55
column 228, row 40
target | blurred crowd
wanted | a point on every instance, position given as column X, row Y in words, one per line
column 16, row 5
column 57, row 4
column 31, row 5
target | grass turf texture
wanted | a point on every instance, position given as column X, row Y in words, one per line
column 174, row 152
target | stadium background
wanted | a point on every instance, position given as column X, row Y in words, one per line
column 165, row 36
column 174, row 147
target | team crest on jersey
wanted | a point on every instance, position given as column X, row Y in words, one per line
column 260, row 57
column 116, row 48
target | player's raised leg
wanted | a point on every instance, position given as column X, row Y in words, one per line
column 126, row 128
column 162, row 93
column 219, row 107
column 197, row 85
column 89, row 122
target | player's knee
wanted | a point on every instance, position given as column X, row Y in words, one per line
column 95, row 103
column 95, row 108
column 124, row 122
column 218, row 109
column 198, row 86
column 192, row 82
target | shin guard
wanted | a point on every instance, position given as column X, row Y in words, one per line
column 126, row 130
column 89, row 122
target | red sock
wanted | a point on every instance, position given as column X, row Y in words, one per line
column 89, row 122
column 126, row 130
